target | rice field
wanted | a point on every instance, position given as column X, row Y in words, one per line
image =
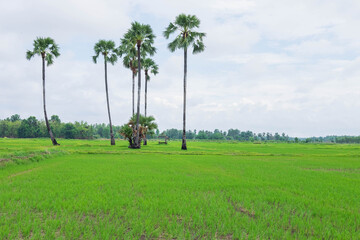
column 87, row 189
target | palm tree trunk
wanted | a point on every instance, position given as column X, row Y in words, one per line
column 146, row 77
column 183, row 146
column 53, row 140
column 108, row 105
column 145, row 93
column 133, row 93
column 137, row 136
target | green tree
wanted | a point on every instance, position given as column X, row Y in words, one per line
column 29, row 128
column 69, row 131
column 55, row 119
column 149, row 66
column 107, row 49
column 15, row 117
column 141, row 36
column 187, row 37
column 126, row 131
column 149, row 126
column 146, row 125
column 47, row 49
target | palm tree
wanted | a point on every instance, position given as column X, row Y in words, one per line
column 129, row 62
column 140, row 36
column 149, row 65
column 47, row 49
column 107, row 49
column 185, row 25
column 147, row 124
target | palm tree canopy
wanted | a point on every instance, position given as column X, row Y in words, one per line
column 146, row 122
column 128, row 49
column 45, row 47
column 139, row 35
column 130, row 58
column 149, row 64
column 130, row 62
column 185, row 25
column 106, row 48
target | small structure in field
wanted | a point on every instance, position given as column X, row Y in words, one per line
column 163, row 139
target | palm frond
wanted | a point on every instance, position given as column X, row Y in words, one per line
column 29, row 54
column 139, row 33
column 198, row 47
column 44, row 46
column 147, row 48
column 106, row 48
column 112, row 58
column 49, row 59
column 169, row 30
column 176, row 43
column 185, row 25
column 94, row 58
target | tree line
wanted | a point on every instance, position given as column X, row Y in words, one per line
column 31, row 127
column 231, row 134
column 249, row 136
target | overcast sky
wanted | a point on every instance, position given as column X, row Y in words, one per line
column 269, row 66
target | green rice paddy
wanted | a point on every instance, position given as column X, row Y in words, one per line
column 87, row 189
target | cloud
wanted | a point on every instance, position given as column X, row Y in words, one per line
column 322, row 47
column 268, row 66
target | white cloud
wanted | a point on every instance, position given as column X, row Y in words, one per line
column 269, row 66
column 321, row 47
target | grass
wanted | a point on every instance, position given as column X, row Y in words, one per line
column 87, row 189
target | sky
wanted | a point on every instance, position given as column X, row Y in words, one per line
column 269, row 66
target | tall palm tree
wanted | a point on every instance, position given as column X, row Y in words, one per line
column 47, row 49
column 140, row 36
column 185, row 25
column 130, row 61
column 107, row 49
column 149, row 65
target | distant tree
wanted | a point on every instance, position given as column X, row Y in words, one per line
column 217, row 135
column 29, row 128
column 56, row 125
column 173, row 133
column 9, row 128
column 69, row 131
column 185, row 25
column 201, row 135
column 15, row 117
column 141, row 36
column 55, row 119
column 107, row 49
column 190, row 134
column 47, row 49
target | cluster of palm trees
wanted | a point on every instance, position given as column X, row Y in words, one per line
column 135, row 47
